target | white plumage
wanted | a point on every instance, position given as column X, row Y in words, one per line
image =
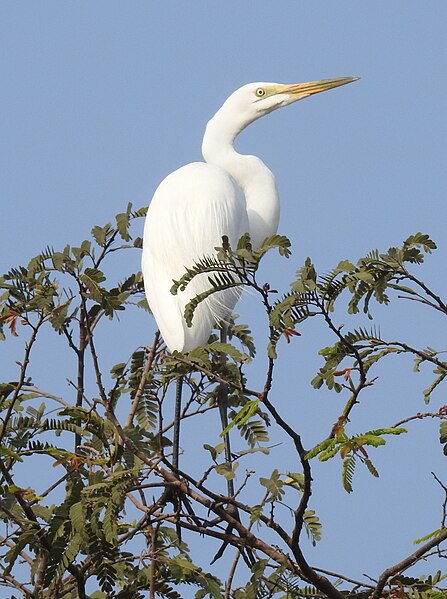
column 196, row 193
column 229, row 194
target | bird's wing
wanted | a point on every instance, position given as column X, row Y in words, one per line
column 190, row 212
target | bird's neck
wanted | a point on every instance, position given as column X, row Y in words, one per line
column 249, row 172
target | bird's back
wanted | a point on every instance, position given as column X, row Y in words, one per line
column 190, row 212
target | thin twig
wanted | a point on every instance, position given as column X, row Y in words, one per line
column 419, row 416
column 231, row 574
column 427, row 290
column 46, row 394
column 353, row 400
column 83, row 321
column 345, row 578
column 417, row 352
column 51, row 488
column 24, row 366
column 444, row 505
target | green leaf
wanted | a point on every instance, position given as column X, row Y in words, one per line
column 279, row 242
column 243, row 333
column 432, row 387
column 91, row 278
column 229, row 350
column 101, row 234
column 244, row 414
column 214, row 451
column 330, row 451
column 78, row 518
column 388, row 431
column 295, row 480
column 254, row 432
column 7, row 452
column 27, row 537
column 255, row 514
column 443, row 435
column 443, row 431
column 122, row 223
column 345, row 266
column 118, row 370
column 59, row 316
column 368, row 439
column 313, row 526
column 274, row 485
column 264, row 450
column 227, row 470
column 430, row 535
column 319, row 448
column 371, row 467
column 348, row 471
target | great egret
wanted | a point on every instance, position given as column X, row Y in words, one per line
column 228, row 194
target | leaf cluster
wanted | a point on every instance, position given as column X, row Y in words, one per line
column 352, row 449
column 117, row 513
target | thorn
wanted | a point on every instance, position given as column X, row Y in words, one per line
column 346, row 373
column 289, row 333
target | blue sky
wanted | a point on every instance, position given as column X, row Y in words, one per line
column 101, row 100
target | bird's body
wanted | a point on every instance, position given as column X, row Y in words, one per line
column 196, row 193
column 228, row 194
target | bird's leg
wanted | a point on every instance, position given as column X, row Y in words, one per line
column 222, row 400
column 177, row 410
column 176, row 445
column 178, row 501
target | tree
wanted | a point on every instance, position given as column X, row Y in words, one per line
column 114, row 518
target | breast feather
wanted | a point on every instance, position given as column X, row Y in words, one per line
column 190, row 212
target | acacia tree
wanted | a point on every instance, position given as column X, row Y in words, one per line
column 112, row 518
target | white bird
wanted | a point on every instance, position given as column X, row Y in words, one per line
column 228, row 194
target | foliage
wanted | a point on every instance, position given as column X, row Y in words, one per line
column 114, row 519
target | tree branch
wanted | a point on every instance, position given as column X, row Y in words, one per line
column 24, row 366
column 406, row 563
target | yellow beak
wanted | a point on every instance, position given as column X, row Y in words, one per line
column 302, row 90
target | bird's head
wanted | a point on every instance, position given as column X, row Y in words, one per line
column 257, row 99
column 252, row 101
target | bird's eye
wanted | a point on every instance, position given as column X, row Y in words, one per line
column 260, row 92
